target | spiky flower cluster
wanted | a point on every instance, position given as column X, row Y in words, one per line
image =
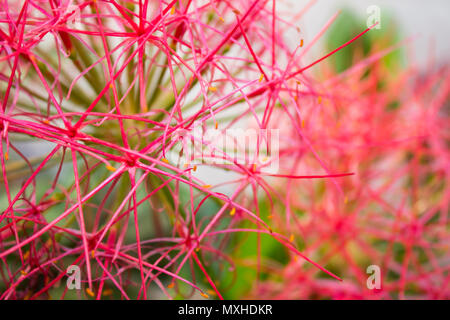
column 94, row 96
column 392, row 130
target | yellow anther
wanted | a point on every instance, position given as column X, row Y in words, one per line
column 171, row 285
column 197, row 249
column 254, row 167
column 319, row 99
column 236, row 11
column 194, row 168
column 346, row 200
column 217, row 125
column 303, row 123
column 295, row 258
column 6, row 156
column 111, row 86
column 298, row 82
column 46, row 121
column 232, row 212
column 221, row 19
column 110, row 168
column 165, row 160
column 261, row 77
column 206, row 186
column 204, row 295
column 23, row 272
column 301, row 43
column 185, row 165
column 212, row 89
column 93, row 254
column 26, row 255
column 270, row 216
column 107, row 292
column 291, row 238
column 172, row 10
column 90, row 292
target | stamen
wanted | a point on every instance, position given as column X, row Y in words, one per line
column 90, row 292
column 107, row 292
column 261, row 77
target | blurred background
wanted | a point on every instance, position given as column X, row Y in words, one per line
column 426, row 21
